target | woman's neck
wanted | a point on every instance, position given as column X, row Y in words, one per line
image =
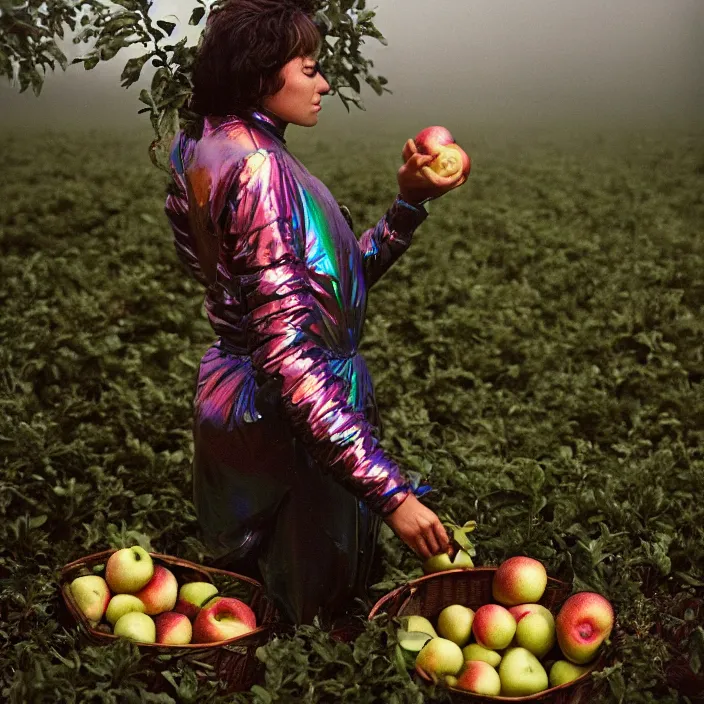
column 274, row 120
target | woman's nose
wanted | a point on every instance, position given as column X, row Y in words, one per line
column 326, row 89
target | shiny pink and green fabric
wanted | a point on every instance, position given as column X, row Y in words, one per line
column 287, row 459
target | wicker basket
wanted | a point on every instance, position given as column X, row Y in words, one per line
column 429, row 595
column 233, row 660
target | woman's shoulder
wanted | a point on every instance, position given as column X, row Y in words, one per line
column 235, row 147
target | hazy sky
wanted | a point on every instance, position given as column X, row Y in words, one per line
column 603, row 61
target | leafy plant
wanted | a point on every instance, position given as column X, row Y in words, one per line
column 537, row 358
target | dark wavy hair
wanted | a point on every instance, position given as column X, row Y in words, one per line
column 245, row 45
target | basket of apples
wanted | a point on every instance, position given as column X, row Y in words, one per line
column 172, row 608
column 501, row 634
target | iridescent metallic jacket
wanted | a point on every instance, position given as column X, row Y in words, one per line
column 287, row 284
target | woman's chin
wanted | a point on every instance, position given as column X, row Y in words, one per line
column 310, row 121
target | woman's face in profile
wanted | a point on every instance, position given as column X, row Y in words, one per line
column 303, row 88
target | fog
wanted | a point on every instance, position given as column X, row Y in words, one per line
column 508, row 62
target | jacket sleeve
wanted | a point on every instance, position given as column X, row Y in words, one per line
column 383, row 244
column 176, row 208
column 284, row 339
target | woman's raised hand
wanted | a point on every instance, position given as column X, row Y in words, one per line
column 417, row 181
column 419, row 528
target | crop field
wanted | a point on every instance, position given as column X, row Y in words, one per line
column 538, row 355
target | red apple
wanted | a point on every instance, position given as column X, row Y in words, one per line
column 221, row 619
column 160, row 593
column 519, row 580
column 480, row 678
column 583, row 624
column 173, row 628
column 493, row 626
column 450, row 158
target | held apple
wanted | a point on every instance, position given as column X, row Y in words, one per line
column 519, row 580
column 563, row 672
column 160, row 593
column 92, row 595
column 173, row 628
column 137, row 627
column 521, row 674
column 583, row 624
column 122, row 604
column 440, row 657
column 493, row 627
column 474, row 651
column 480, row 678
column 455, row 623
column 450, row 159
column 221, row 619
column 442, row 562
column 128, row 570
column 191, row 597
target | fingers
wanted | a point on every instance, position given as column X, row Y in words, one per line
column 441, row 181
column 441, row 536
column 418, row 160
column 432, row 542
column 409, row 149
column 421, row 548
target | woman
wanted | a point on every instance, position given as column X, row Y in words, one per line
column 290, row 482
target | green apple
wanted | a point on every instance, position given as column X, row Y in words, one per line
column 474, row 651
column 442, row 562
column 92, row 595
column 412, row 641
column 415, row 632
column 536, row 633
column 563, row 672
column 439, row 657
column 418, row 623
column 455, row 623
column 122, row 604
column 137, row 627
column 192, row 595
column 521, row 673
column 128, row 570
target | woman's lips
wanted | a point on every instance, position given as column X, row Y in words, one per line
column 317, row 107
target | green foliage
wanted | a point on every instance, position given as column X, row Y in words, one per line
column 28, row 35
column 28, row 32
column 537, row 354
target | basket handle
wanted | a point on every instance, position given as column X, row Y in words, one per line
column 405, row 592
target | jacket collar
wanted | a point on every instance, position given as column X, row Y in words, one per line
column 262, row 118
column 270, row 122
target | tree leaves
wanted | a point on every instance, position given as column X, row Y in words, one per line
column 133, row 69
column 345, row 21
